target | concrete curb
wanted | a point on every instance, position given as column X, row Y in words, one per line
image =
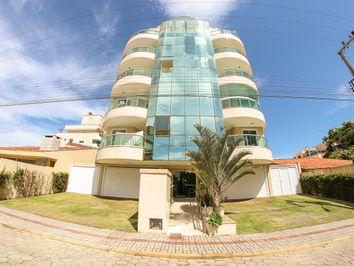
column 181, row 255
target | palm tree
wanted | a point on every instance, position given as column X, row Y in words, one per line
column 215, row 164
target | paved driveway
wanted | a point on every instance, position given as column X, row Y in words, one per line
column 23, row 248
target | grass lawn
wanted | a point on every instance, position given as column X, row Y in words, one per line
column 278, row 213
column 88, row 210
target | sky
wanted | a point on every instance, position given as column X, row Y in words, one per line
column 56, row 49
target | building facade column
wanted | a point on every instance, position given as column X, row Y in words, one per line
column 154, row 200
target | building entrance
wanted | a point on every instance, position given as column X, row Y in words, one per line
column 183, row 185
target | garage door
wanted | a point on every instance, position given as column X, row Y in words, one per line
column 285, row 180
column 121, row 182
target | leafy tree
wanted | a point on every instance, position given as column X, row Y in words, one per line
column 340, row 142
column 215, row 164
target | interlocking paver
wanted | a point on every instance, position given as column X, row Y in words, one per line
column 157, row 243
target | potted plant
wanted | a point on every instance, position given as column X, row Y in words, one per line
column 213, row 222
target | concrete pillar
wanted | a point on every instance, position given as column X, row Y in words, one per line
column 154, row 199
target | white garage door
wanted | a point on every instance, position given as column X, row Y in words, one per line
column 285, row 180
column 121, row 182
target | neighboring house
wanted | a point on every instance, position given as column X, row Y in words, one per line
column 318, row 151
column 50, row 154
column 308, row 164
column 170, row 78
column 88, row 132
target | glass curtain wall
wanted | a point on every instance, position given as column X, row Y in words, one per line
column 184, row 89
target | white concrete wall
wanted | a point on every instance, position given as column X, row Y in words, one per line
column 77, row 137
column 121, row 182
column 250, row 186
column 285, row 180
column 84, row 179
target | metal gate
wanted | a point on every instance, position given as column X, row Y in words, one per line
column 121, row 182
column 285, row 180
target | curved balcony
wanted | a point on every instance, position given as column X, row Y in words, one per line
column 239, row 102
column 243, row 117
column 231, row 59
column 139, row 49
column 135, row 81
column 261, row 154
column 142, row 38
column 228, row 49
column 222, row 38
column 237, row 79
column 138, row 60
column 122, row 147
column 127, row 112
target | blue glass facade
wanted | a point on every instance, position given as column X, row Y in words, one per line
column 184, row 88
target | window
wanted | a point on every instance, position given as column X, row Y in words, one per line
column 162, row 126
column 166, row 66
column 81, row 141
column 250, row 137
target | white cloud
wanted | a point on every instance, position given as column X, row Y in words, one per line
column 211, row 11
column 25, row 125
column 106, row 20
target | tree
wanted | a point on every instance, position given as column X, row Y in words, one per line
column 340, row 142
column 215, row 164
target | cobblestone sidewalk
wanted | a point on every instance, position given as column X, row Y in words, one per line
column 154, row 244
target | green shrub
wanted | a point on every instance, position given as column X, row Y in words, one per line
column 339, row 186
column 60, row 182
column 28, row 183
column 4, row 178
column 215, row 219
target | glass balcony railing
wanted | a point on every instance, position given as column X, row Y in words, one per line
column 123, row 139
column 251, row 140
column 136, row 72
column 149, row 31
column 129, row 101
column 220, row 31
column 140, row 49
column 228, row 49
column 238, row 101
column 233, row 72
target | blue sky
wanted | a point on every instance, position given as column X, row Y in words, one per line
column 58, row 49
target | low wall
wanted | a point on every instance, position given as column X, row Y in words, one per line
column 346, row 169
column 11, row 166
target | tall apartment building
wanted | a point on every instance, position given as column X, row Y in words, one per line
column 170, row 78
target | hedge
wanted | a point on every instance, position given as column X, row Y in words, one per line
column 339, row 186
column 60, row 182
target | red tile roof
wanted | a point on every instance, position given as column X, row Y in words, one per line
column 314, row 163
column 68, row 147
column 20, row 148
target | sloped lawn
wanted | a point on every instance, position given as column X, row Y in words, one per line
column 278, row 213
column 83, row 209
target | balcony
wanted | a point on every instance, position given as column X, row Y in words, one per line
column 135, row 81
column 127, row 112
column 121, row 148
column 229, row 58
column 239, row 102
column 140, row 49
column 142, row 38
column 242, row 113
column 138, row 59
column 222, row 38
column 261, row 154
column 228, row 49
column 235, row 76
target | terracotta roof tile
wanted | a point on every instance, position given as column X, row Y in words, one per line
column 314, row 163
column 20, row 148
